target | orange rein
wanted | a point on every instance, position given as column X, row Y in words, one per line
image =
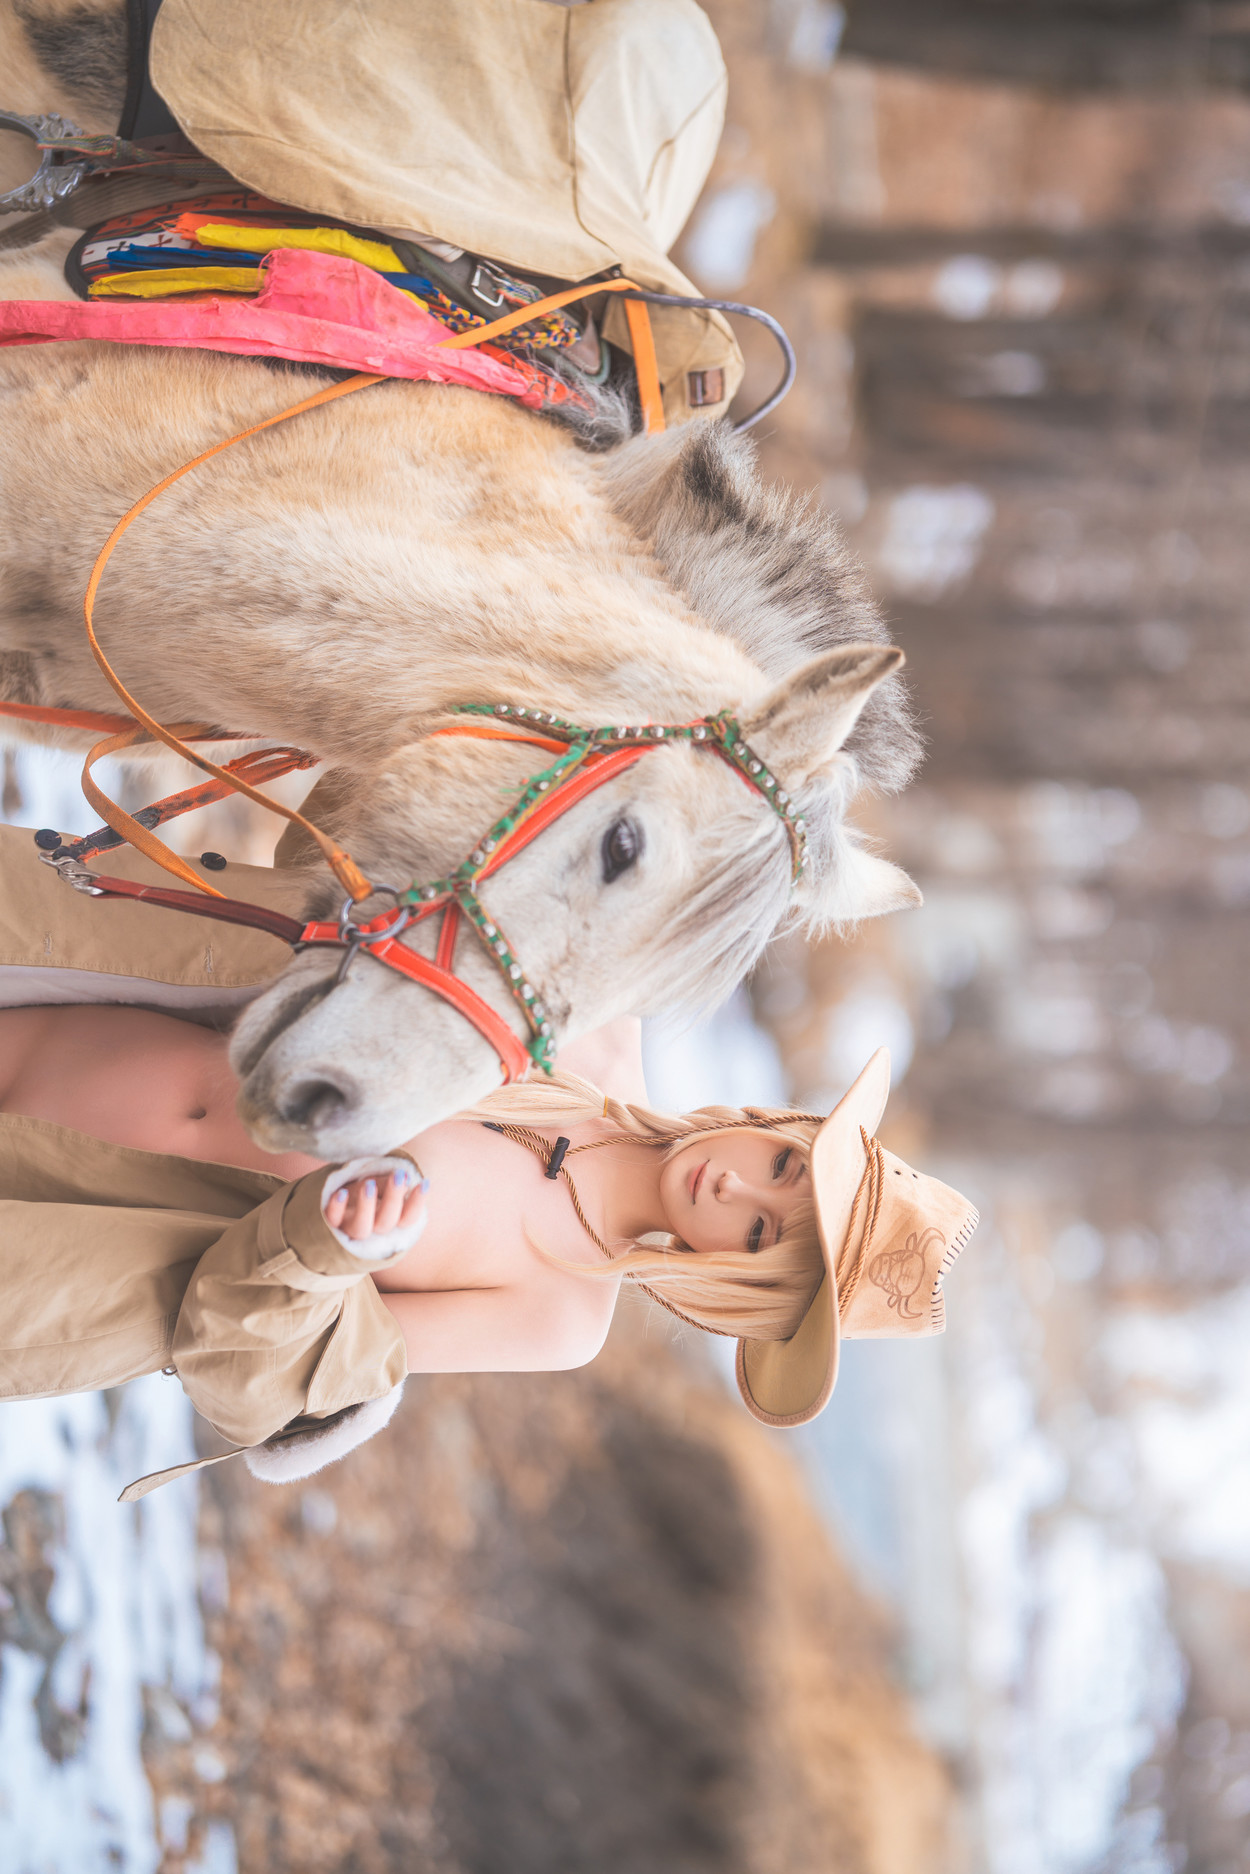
column 341, row 863
column 176, row 736
column 641, row 338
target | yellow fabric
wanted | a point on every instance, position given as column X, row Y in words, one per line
column 161, row 282
column 560, row 140
column 318, row 240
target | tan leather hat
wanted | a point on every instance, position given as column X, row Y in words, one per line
column 888, row 1235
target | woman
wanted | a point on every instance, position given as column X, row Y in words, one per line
column 142, row 1228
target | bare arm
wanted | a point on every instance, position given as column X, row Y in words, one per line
column 500, row 1330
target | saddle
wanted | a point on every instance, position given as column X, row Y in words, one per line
column 556, row 144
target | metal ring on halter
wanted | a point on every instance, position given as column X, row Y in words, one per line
column 54, row 179
column 351, row 945
column 353, row 938
column 347, row 923
column 747, row 312
column 74, row 873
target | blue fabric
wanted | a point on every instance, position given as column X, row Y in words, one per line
column 133, row 259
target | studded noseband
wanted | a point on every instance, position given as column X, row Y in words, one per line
column 587, row 759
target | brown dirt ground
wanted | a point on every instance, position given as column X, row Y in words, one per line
column 550, row 1624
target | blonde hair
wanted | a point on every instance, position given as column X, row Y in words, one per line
column 759, row 1296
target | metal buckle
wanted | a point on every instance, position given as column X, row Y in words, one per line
column 483, row 279
column 75, row 873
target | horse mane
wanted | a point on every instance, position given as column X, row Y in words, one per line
column 771, row 571
column 763, row 566
column 605, row 417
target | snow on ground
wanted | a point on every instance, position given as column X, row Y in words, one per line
column 1186, row 1383
column 1034, row 1632
column 124, row 1592
column 125, row 1597
column 1074, row 1676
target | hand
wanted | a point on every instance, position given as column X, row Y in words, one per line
column 360, row 1210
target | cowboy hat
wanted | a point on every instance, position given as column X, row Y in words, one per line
column 888, row 1235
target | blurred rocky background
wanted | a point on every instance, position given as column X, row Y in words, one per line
column 999, row 1619
column 1012, row 241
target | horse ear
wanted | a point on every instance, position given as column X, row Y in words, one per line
column 801, row 725
column 860, row 885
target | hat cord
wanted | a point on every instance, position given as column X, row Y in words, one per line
column 553, row 1163
column 871, row 1187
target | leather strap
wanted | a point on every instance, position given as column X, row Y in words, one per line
column 224, row 910
column 259, row 765
column 513, row 1054
column 646, row 367
column 66, row 718
column 597, row 770
column 448, row 931
column 143, row 1486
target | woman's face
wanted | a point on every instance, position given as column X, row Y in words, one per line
column 732, row 1190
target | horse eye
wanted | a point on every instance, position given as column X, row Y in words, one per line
column 622, row 847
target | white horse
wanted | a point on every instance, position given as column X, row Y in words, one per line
column 344, row 580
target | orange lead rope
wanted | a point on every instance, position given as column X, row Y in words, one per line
column 640, row 337
column 340, row 862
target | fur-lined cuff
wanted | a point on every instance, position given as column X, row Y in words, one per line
column 392, row 1243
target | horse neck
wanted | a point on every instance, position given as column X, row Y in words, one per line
column 341, row 581
column 508, row 577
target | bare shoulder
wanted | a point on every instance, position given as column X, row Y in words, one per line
column 611, row 1058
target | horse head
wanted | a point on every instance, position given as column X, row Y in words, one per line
column 658, row 889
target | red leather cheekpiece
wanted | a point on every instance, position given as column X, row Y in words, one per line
column 435, row 975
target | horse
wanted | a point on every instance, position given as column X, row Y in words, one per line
column 344, row 582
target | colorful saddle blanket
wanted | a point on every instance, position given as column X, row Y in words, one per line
column 233, row 243
column 314, row 308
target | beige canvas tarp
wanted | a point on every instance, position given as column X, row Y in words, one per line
column 561, row 140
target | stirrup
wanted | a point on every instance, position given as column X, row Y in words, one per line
column 55, row 177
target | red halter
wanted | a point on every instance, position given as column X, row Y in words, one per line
column 379, row 936
column 588, row 758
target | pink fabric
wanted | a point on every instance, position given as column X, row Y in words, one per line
column 315, row 308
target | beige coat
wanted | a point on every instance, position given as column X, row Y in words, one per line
column 119, row 1262
column 560, row 140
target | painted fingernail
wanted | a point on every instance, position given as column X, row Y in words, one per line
column 370, row 1187
column 423, row 1183
column 401, row 1178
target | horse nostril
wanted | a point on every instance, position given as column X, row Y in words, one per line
column 315, row 1102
